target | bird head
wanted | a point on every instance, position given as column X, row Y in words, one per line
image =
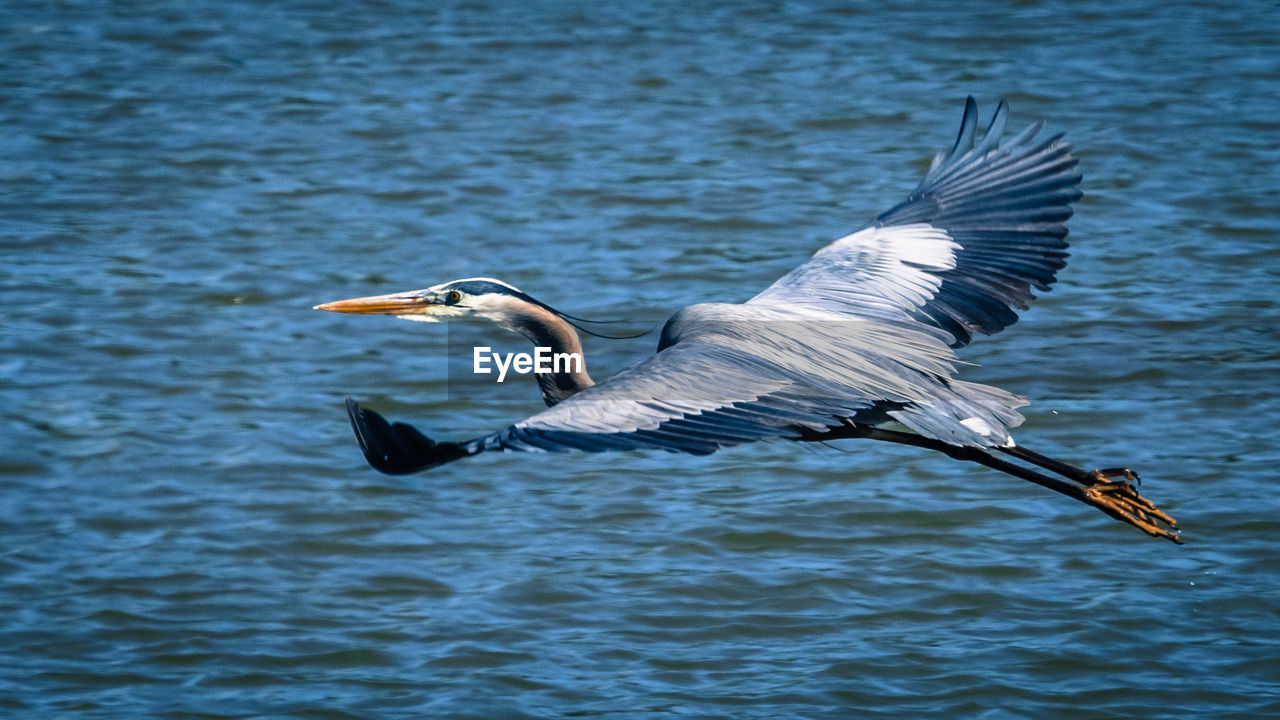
column 469, row 298
column 484, row 299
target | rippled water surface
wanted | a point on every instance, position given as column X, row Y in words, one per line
column 188, row 530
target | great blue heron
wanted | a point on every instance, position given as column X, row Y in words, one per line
column 860, row 336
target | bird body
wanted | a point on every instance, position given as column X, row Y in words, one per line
column 861, row 335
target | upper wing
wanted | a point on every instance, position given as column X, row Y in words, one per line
column 730, row 374
column 963, row 251
column 692, row 397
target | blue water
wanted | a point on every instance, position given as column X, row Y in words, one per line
column 187, row 529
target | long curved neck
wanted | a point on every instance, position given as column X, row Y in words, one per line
column 568, row 363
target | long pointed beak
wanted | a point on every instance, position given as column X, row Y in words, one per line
column 407, row 303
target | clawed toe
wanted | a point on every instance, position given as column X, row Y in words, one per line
column 1116, row 475
column 1115, row 492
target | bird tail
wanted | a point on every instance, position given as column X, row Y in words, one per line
column 966, row 414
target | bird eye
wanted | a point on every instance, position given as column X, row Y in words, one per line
column 453, row 297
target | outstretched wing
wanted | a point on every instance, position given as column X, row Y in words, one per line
column 730, row 374
column 964, row 250
column 693, row 398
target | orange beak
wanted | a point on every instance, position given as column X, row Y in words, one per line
column 416, row 302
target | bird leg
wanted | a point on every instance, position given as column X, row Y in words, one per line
column 1072, row 472
column 1114, row 491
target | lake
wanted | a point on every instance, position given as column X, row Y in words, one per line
column 188, row 530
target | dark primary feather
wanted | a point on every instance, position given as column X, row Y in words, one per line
column 397, row 448
column 1006, row 207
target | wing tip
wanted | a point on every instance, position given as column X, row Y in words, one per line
column 397, row 448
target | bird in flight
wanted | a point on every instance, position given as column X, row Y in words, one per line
column 858, row 342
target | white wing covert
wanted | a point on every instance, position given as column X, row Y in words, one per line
column 963, row 251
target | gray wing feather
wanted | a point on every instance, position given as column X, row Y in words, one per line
column 695, row 398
